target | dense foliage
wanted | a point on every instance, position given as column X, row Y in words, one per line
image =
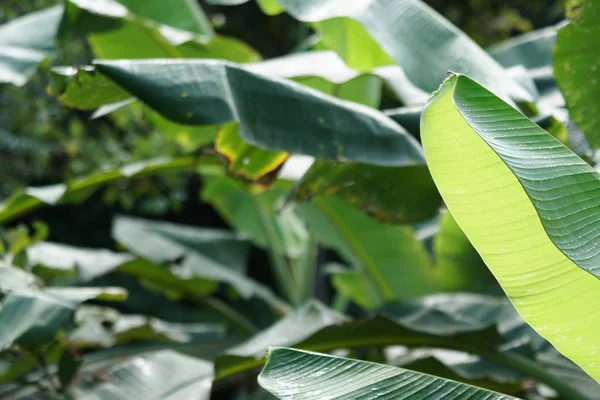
column 195, row 192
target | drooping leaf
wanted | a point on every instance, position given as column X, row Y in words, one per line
column 326, row 71
column 576, row 68
column 76, row 295
column 102, row 327
column 408, row 32
column 32, row 317
column 214, row 92
column 31, row 198
column 25, row 42
column 89, row 263
column 527, row 204
column 300, row 375
column 392, row 194
column 163, row 242
column 531, row 50
column 207, row 256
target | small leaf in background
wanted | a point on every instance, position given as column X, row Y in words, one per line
column 25, row 42
column 244, row 160
column 577, row 70
column 68, row 365
column 390, row 194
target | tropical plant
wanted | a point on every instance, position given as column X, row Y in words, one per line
column 403, row 245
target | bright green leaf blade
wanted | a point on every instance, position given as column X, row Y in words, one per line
column 244, row 160
column 114, row 32
column 524, row 200
column 214, row 92
column 352, row 42
column 390, row 194
column 576, row 68
column 457, row 264
column 25, row 42
column 300, row 375
column 409, row 31
column 84, row 88
column 182, row 14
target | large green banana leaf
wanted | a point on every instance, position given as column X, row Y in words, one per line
column 301, row 375
column 25, row 42
column 205, row 92
column 528, row 205
column 576, row 67
column 407, row 32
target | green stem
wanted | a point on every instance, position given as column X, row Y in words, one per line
column 305, row 268
column 229, row 313
column 283, row 273
column 340, row 303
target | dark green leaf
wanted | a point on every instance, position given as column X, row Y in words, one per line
column 214, row 92
column 391, row 194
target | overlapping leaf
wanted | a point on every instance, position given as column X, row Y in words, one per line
column 25, row 42
column 576, row 66
column 115, row 32
column 300, row 375
column 375, row 32
column 307, row 122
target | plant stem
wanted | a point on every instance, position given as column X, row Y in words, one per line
column 229, row 313
column 305, row 268
column 283, row 273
